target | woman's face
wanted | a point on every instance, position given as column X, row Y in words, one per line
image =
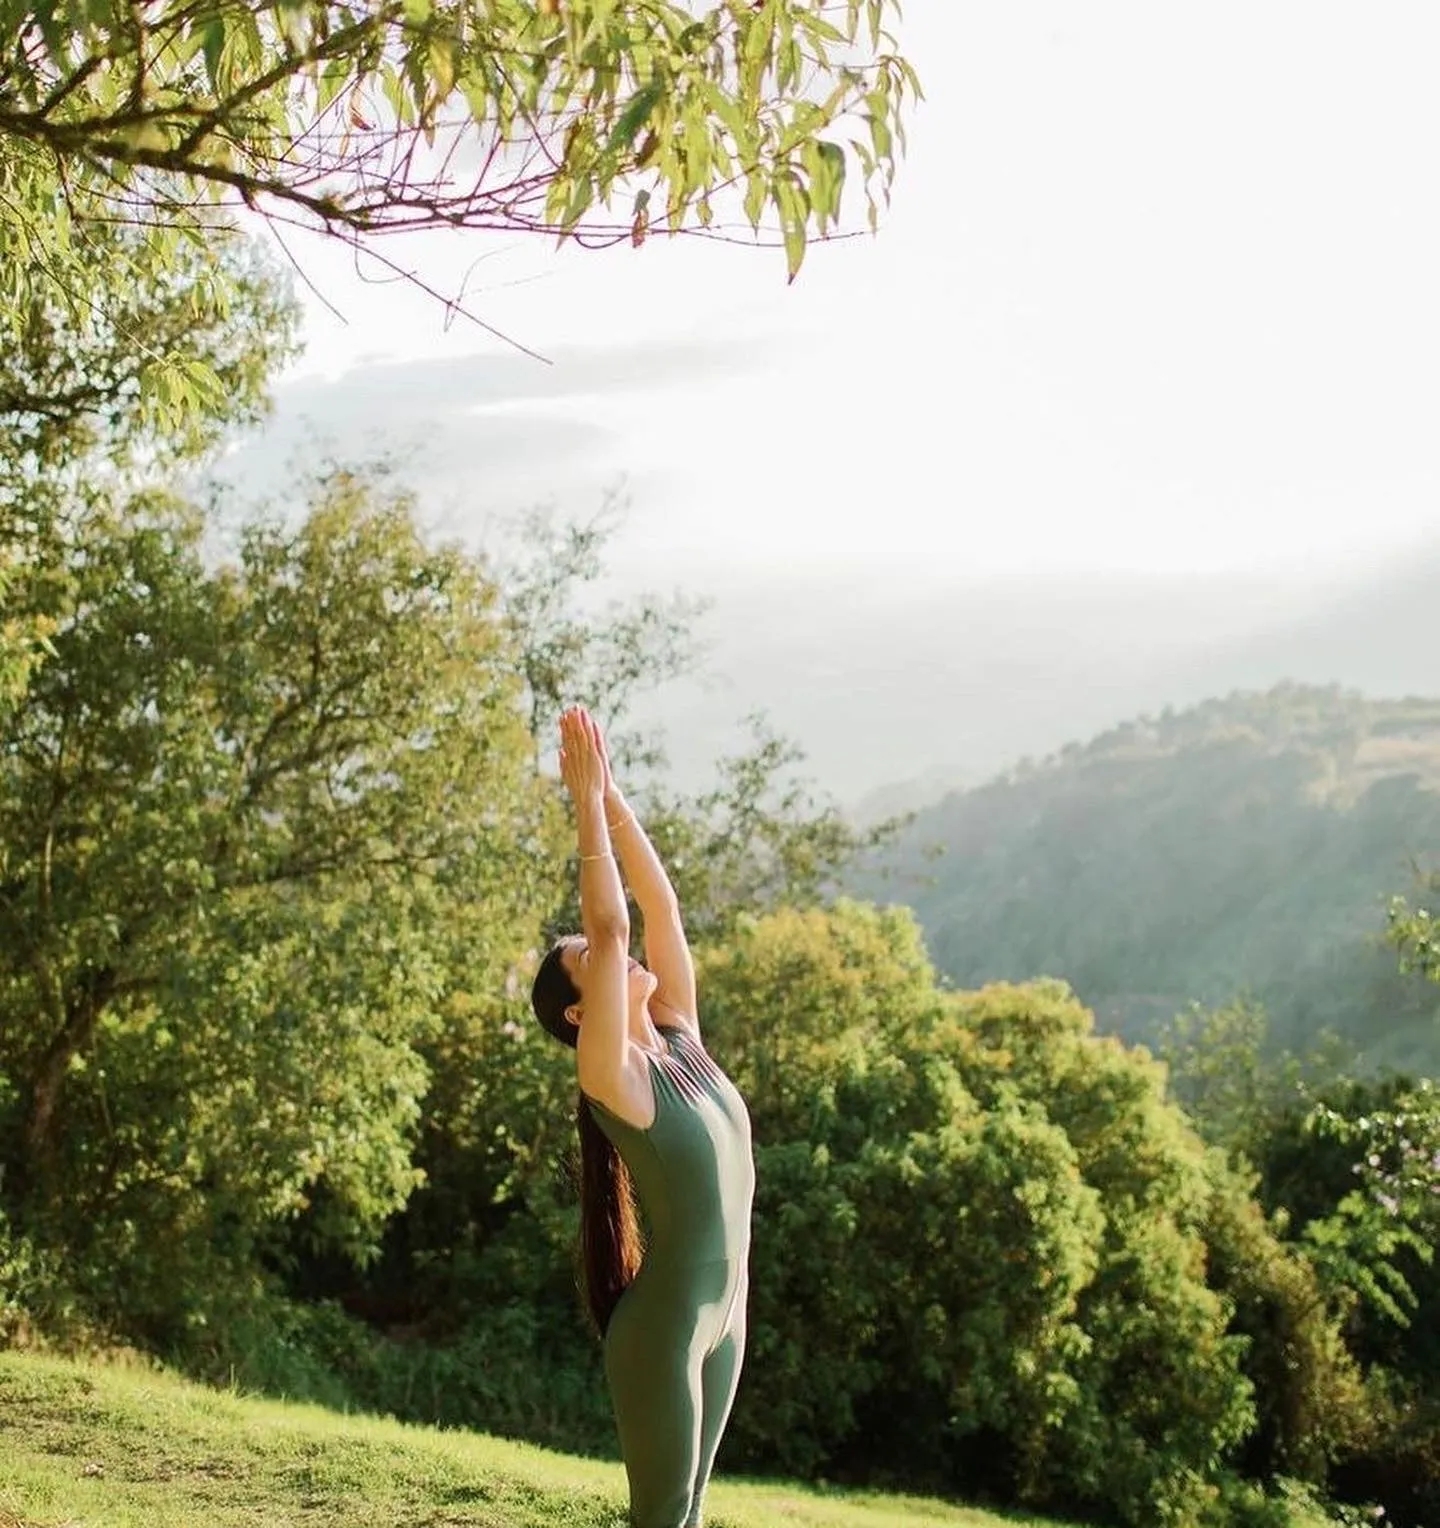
column 575, row 957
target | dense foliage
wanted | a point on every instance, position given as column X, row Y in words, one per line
column 1248, row 846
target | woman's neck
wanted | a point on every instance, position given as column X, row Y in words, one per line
column 643, row 1028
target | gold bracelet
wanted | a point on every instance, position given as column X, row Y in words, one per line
column 606, row 855
column 626, row 817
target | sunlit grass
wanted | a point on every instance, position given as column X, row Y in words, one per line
column 98, row 1446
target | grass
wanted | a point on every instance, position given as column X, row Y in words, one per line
column 95, row 1446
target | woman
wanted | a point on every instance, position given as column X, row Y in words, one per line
column 656, row 1112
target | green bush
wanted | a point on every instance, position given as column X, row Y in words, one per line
column 35, row 1299
column 1311, row 1407
column 981, row 1256
column 1158, row 1398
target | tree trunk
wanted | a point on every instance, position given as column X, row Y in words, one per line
column 82, row 1013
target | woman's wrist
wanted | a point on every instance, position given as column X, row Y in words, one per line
column 590, row 814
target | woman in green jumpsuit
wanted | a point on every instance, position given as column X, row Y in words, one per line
column 661, row 1123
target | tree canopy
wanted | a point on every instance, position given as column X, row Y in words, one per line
column 227, row 805
column 584, row 117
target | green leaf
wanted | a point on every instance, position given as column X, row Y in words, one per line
column 790, row 65
column 822, row 29
column 245, row 38
column 213, row 36
column 392, row 86
column 697, row 151
column 581, row 198
column 754, row 197
column 332, row 81
column 825, row 163
column 880, row 137
column 789, row 200
column 760, row 36
column 723, row 105
column 442, row 66
column 206, row 387
column 635, row 116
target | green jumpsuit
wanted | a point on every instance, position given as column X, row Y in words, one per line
column 676, row 1339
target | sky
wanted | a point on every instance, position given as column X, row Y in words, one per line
column 1156, row 301
column 1157, row 292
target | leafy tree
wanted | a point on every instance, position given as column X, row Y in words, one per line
column 1354, row 1167
column 1393, row 1207
column 761, row 838
column 573, row 649
column 832, row 976
column 1231, row 1081
column 1000, row 1232
column 103, row 362
column 1311, row 1409
column 348, row 117
column 1156, row 1399
column 934, row 1249
column 22, row 644
column 1413, row 930
column 89, row 383
column 237, row 807
column 1353, row 1173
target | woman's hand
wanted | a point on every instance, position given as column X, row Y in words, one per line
column 615, row 801
column 612, row 791
column 584, row 766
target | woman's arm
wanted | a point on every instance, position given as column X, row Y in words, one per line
column 602, row 1047
column 603, row 912
column 667, row 951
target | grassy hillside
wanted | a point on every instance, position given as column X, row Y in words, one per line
column 125, row 1448
column 1248, row 844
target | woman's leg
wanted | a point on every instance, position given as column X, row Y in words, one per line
column 653, row 1365
column 719, row 1377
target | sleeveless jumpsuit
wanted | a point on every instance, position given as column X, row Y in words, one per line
column 677, row 1336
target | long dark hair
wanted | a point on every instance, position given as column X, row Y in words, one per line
column 609, row 1224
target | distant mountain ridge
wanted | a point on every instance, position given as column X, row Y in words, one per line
column 901, row 693
column 1358, row 741
column 1246, row 844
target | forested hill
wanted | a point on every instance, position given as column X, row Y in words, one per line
column 1249, row 844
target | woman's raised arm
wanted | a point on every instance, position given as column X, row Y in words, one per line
column 667, row 951
column 602, row 1046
